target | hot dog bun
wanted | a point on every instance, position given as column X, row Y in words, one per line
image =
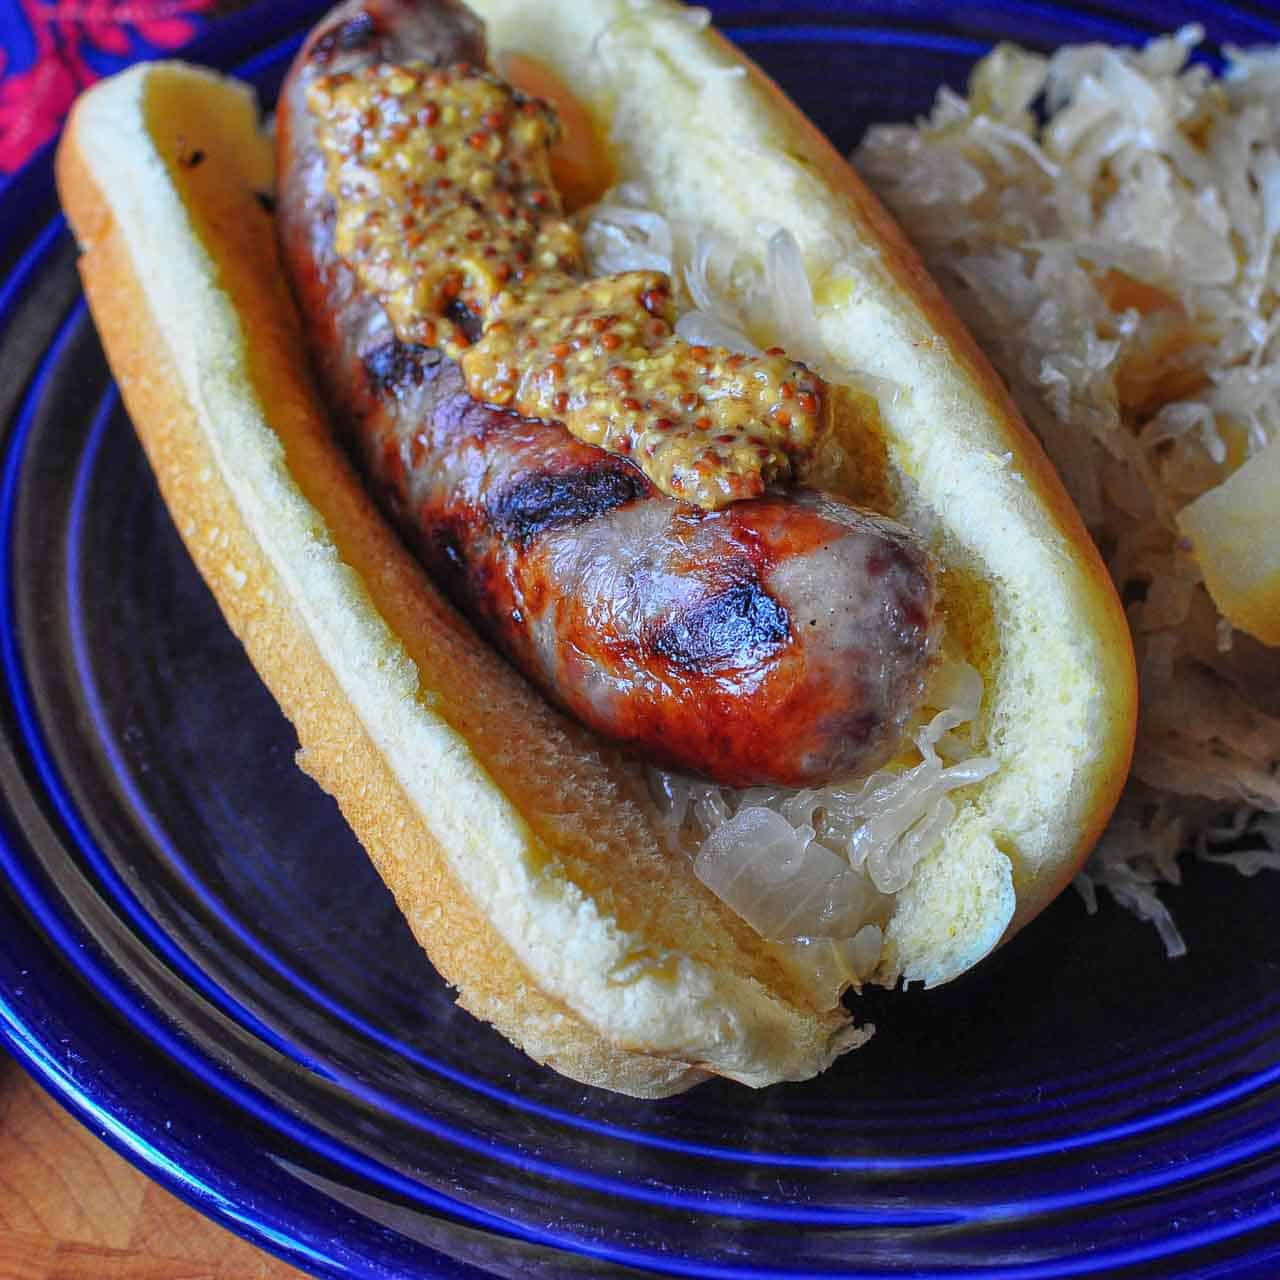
column 522, row 851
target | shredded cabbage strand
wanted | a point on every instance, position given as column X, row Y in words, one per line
column 825, row 862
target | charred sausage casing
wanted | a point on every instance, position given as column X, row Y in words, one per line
column 780, row 639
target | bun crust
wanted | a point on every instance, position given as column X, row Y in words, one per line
column 521, row 851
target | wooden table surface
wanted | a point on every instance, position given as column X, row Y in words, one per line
column 71, row 1209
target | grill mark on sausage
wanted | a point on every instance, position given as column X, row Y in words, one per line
column 346, row 37
column 550, row 500
column 440, row 545
column 888, row 558
column 737, row 627
column 466, row 319
column 862, row 727
column 397, row 366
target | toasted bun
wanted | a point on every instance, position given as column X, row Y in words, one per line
column 521, row 850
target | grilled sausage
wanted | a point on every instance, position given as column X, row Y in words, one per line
column 782, row 639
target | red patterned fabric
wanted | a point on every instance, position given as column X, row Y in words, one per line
column 51, row 49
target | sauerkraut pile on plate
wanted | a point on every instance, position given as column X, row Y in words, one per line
column 1106, row 221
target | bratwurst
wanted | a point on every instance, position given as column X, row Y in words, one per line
column 782, row 638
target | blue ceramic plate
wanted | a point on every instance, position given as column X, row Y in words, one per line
column 197, row 959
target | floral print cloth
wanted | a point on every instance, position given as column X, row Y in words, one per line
column 51, row 49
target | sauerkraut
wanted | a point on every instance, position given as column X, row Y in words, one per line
column 880, row 826
column 1105, row 221
column 818, row 867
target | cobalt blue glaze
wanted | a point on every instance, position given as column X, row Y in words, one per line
column 197, row 959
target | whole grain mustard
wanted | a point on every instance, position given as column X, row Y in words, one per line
column 446, row 212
